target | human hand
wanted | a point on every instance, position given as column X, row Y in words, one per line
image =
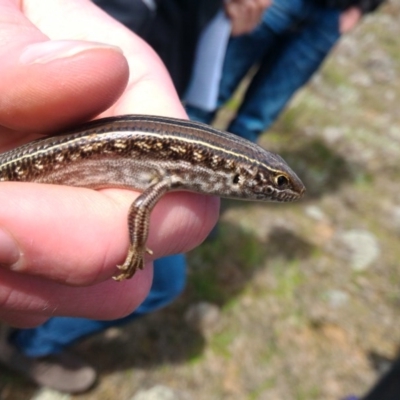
column 245, row 15
column 349, row 18
column 59, row 246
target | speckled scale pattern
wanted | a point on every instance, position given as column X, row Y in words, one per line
column 201, row 158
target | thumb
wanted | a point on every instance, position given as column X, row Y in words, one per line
column 73, row 79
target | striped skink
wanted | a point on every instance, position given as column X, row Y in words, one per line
column 154, row 155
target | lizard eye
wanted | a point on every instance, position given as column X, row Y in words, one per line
column 281, row 180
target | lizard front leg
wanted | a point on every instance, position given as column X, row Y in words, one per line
column 138, row 224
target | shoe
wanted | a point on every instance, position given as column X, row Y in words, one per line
column 63, row 371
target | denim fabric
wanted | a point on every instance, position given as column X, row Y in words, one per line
column 289, row 46
column 283, row 71
column 283, row 15
column 59, row 332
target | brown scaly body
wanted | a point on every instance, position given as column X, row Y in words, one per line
column 154, row 155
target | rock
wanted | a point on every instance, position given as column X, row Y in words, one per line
column 395, row 219
column 332, row 134
column 362, row 248
column 315, row 213
column 337, row 298
column 361, row 78
column 159, row 392
column 203, row 316
column 50, row 394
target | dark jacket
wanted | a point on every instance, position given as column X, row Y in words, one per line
column 173, row 31
column 177, row 27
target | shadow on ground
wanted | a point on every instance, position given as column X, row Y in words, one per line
column 164, row 338
column 321, row 169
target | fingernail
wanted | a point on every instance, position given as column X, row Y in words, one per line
column 44, row 52
column 10, row 252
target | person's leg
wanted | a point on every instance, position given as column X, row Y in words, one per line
column 245, row 51
column 241, row 54
column 59, row 332
column 284, row 71
column 168, row 283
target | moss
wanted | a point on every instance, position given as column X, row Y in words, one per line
column 220, row 343
column 288, row 278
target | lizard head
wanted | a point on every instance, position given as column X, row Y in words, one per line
column 271, row 179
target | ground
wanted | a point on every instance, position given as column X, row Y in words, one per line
column 299, row 301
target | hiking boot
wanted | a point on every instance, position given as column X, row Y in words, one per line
column 63, row 371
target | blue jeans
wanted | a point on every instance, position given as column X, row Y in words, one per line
column 59, row 332
column 289, row 45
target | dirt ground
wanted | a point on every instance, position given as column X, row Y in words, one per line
column 299, row 301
